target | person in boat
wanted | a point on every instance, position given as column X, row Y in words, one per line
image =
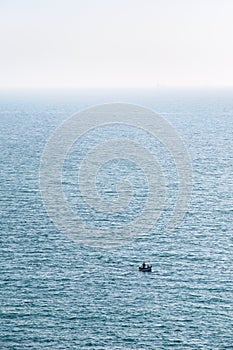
column 144, row 265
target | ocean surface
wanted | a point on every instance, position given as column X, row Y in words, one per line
column 60, row 293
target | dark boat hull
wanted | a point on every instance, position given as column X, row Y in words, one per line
column 145, row 269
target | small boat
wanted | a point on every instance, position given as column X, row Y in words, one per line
column 146, row 268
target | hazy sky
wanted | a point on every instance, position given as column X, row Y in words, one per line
column 118, row 43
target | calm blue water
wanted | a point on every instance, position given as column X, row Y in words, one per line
column 55, row 293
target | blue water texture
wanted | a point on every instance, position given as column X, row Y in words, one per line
column 58, row 294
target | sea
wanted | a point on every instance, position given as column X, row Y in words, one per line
column 61, row 289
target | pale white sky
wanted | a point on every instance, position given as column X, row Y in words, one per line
column 116, row 43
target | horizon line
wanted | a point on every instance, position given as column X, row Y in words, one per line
column 112, row 87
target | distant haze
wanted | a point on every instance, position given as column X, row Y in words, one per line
column 123, row 43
